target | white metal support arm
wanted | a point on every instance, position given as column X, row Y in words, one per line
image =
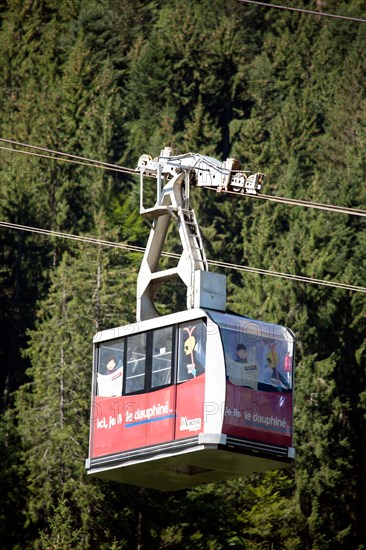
column 174, row 174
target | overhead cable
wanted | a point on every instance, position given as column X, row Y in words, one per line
column 74, row 159
column 298, row 278
column 66, row 157
column 306, row 204
column 80, row 238
column 225, row 265
column 307, row 12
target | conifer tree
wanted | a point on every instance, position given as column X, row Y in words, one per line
column 53, row 407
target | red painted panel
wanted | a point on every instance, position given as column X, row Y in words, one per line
column 124, row 423
column 259, row 415
column 189, row 413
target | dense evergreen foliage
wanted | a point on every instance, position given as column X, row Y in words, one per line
column 111, row 80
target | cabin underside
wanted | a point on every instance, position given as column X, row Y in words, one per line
column 184, row 464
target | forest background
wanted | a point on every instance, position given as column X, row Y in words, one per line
column 114, row 79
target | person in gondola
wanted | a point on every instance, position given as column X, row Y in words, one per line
column 241, row 354
column 111, row 365
column 239, row 371
column 110, row 379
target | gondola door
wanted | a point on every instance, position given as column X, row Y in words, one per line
column 190, row 387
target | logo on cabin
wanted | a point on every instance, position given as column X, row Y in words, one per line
column 190, row 424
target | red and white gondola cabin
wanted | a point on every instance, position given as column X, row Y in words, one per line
column 189, row 398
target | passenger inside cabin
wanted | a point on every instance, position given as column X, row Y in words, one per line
column 241, row 354
column 109, row 381
column 111, row 365
column 241, row 367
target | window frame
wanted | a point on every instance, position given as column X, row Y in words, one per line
column 179, row 356
column 124, row 386
column 148, row 370
column 110, row 345
column 173, row 359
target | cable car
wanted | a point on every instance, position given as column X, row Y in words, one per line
column 200, row 395
column 193, row 397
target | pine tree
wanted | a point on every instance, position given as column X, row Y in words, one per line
column 193, row 56
column 53, row 407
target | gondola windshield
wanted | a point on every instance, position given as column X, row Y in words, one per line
column 258, row 363
column 257, row 354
